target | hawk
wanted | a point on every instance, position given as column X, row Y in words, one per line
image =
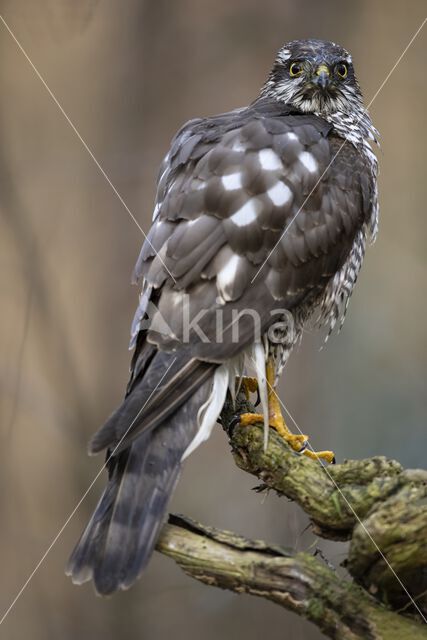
column 262, row 213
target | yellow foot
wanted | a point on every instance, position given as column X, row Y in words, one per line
column 248, row 385
column 296, row 442
column 247, row 419
column 328, row 456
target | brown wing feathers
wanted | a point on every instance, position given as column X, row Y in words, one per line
column 228, row 188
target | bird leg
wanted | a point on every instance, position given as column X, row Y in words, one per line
column 298, row 442
column 247, row 384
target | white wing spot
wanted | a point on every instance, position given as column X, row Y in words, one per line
column 232, row 181
column 197, row 184
column 280, row 194
column 291, row 135
column 238, row 146
column 308, row 161
column 246, row 214
column 269, row 160
column 227, row 274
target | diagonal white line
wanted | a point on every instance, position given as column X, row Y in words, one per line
column 60, row 532
column 352, row 510
column 360, row 522
column 281, row 403
column 86, row 146
column 55, row 539
column 364, row 111
column 294, row 217
column 396, row 63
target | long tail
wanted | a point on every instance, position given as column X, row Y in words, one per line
column 120, row 537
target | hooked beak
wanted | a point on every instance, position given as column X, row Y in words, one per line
column 322, row 77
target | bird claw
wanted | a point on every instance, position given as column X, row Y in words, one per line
column 303, row 447
column 327, row 456
column 249, row 385
column 297, row 442
column 233, row 424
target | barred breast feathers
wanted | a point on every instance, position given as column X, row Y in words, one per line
column 356, row 128
column 335, row 300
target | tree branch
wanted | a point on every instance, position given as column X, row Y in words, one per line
column 374, row 503
column 300, row 583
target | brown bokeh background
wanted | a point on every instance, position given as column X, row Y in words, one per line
column 128, row 74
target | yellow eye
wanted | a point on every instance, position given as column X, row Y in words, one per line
column 342, row 70
column 295, row 69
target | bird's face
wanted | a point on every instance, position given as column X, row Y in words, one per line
column 315, row 77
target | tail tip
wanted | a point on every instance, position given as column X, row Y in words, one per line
column 97, row 444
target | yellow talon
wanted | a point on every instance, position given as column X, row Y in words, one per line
column 246, row 419
column 248, row 384
column 298, row 442
column 328, row 456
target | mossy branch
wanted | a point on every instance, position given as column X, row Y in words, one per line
column 374, row 503
column 300, row 582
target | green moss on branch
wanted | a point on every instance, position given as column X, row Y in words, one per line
column 300, row 582
column 375, row 504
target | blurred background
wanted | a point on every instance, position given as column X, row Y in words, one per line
column 128, row 74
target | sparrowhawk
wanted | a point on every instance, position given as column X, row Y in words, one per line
column 261, row 214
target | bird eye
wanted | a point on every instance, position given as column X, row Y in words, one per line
column 342, row 70
column 295, row 69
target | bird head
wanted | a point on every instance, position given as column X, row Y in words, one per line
column 314, row 76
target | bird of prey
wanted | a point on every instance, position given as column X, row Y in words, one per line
column 261, row 213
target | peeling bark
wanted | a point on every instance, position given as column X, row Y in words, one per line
column 374, row 503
